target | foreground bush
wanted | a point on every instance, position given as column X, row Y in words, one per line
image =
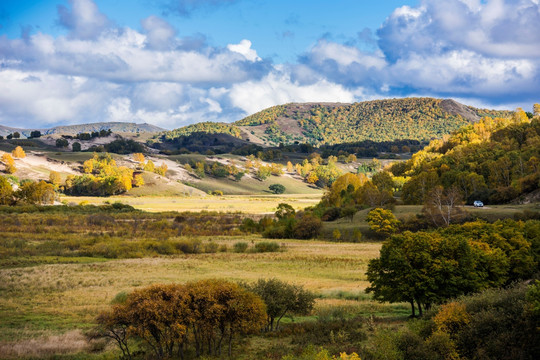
column 183, row 321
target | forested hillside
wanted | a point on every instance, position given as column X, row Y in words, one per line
column 418, row 119
column 493, row 160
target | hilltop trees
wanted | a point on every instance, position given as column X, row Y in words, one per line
column 493, row 160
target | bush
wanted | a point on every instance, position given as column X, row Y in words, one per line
column 266, row 246
column 188, row 246
column 307, row 227
column 217, row 193
column 240, row 247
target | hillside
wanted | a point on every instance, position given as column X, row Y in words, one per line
column 116, row 127
column 335, row 123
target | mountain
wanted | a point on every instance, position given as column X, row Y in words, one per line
column 116, row 127
column 334, row 123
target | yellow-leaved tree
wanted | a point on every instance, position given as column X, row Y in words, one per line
column 9, row 163
column 18, row 153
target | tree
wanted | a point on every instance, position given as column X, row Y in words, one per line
column 76, row 146
column 382, row 222
column 55, row 179
column 35, row 134
column 61, row 143
column 9, row 163
column 161, row 170
column 284, row 211
column 536, row 109
column 150, row 166
column 427, row 268
column 18, row 153
column 138, row 157
column 6, row 191
column 171, row 319
column 442, row 207
column 277, row 188
column 138, row 180
column 307, row 227
column 16, row 135
column 31, row 192
column 281, row 299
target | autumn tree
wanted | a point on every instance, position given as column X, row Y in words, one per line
column 161, row 170
column 18, row 153
column 9, row 163
column 55, row 179
column 382, row 222
column 173, row 319
column 6, row 191
column 138, row 157
column 149, row 166
column 31, row 192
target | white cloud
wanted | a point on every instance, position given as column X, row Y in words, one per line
column 160, row 34
column 277, row 88
column 84, row 20
column 244, row 48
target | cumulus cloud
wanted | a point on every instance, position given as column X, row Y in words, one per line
column 481, row 52
column 278, row 88
column 244, row 48
column 83, row 19
column 495, row 28
column 160, row 34
column 467, row 48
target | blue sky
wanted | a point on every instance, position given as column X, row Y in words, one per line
column 176, row 62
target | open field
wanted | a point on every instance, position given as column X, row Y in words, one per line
column 61, row 298
column 254, row 204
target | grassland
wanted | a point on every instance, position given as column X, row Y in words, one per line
column 253, row 204
column 56, row 299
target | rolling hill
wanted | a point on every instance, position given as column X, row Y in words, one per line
column 116, row 127
column 335, row 123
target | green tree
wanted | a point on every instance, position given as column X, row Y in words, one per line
column 76, row 146
column 61, row 143
column 281, row 299
column 277, row 188
column 285, row 211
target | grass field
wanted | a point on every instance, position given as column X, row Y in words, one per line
column 255, row 204
column 51, row 300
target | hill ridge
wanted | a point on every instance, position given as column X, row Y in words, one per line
column 321, row 123
column 115, row 126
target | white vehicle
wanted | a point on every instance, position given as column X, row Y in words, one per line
column 478, row 203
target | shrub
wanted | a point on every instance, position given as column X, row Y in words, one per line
column 188, row 246
column 217, row 193
column 240, row 247
column 266, row 246
column 307, row 227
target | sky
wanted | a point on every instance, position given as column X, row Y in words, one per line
column 176, row 62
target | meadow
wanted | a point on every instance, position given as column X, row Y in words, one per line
column 49, row 303
column 250, row 204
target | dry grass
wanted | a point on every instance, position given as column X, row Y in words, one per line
column 63, row 297
column 46, row 346
column 259, row 204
